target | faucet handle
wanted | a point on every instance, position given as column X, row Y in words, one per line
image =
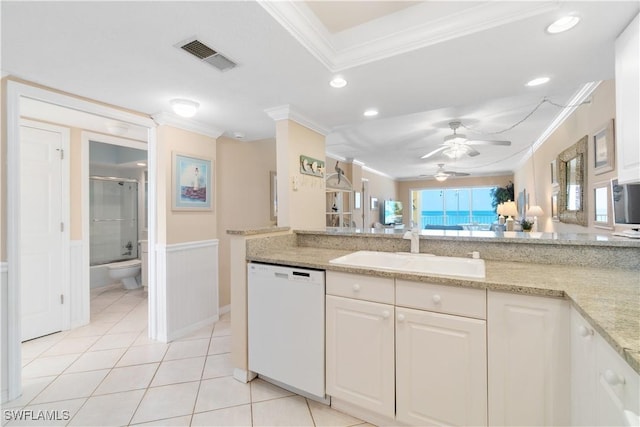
column 474, row 254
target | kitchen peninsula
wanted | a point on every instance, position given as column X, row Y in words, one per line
column 598, row 276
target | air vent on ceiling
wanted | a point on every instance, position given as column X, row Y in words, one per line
column 205, row 53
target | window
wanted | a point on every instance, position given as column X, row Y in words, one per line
column 469, row 208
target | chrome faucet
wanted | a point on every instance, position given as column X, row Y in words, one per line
column 414, row 236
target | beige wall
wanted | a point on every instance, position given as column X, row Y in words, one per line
column 182, row 226
column 382, row 188
column 302, row 207
column 405, row 187
column 243, row 195
column 586, row 120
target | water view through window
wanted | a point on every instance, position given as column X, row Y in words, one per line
column 468, row 208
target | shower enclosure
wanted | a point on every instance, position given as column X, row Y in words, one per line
column 113, row 219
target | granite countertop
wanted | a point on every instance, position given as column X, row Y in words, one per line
column 609, row 299
column 535, row 238
column 257, row 231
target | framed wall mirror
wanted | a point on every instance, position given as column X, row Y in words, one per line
column 572, row 179
column 602, row 215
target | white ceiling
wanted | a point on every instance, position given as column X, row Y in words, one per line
column 421, row 64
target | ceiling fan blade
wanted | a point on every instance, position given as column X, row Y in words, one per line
column 436, row 151
column 472, row 152
column 451, row 173
column 487, row 142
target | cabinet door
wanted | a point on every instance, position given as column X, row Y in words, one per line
column 528, row 348
column 360, row 353
column 441, row 369
column 583, row 372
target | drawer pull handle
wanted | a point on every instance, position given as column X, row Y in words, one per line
column 584, row 331
column 436, row 299
column 612, row 378
column 400, row 317
column 385, row 314
column 356, row 287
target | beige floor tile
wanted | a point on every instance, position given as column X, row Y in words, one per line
column 262, row 390
column 143, row 339
column 167, row 402
column 127, row 379
column 91, row 330
column 220, row 345
column 234, row 416
column 218, row 365
column 94, row 360
column 222, row 329
column 70, row 346
column 221, row 393
column 71, row 386
column 143, row 354
column 45, row 366
column 57, row 413
column 287, row 411
column 31, row 387
column 108, row 410
column 112, row 341
column 226, row 317
column 107, row 317
column 169, row 422
column 125, row 326
column 179, row 371
column 185, row 349
column 326, row 416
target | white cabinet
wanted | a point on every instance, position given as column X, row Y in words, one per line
column 583, row 371
column 528, row 360
column 360, row 353
column 441, row 369
column 628, row 103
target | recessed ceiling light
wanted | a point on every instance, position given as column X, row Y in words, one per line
column 563, row 24
column 141, row 164
column 338, row 82
column 371, row 112
column 184, row 107
column 539, row 81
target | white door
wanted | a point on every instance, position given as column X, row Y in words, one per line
column 43, row 227
column 360, row 353
column 441, row 369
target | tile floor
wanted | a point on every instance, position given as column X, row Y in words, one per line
column 109, row 373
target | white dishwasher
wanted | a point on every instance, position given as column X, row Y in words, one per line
column 286, row 325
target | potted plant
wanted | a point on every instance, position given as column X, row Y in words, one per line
column 501, row 195
column 526, row 224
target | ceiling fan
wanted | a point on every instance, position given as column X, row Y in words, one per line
column 442, row 175
column 457, row 145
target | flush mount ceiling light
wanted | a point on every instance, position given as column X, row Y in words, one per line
column 238, row 135
column 184, row 107
column 538, row 81
column 563, row 24
column 372, row 112
column 338, row 82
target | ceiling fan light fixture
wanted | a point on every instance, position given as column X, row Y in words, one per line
column 184, row 107
column 456, row 151
column 563, row 24
column 441, row 176
column 538, row 81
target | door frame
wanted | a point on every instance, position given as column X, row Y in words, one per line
column 65, row 274
column 14, row 92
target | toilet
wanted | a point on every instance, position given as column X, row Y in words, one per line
column 127, row 272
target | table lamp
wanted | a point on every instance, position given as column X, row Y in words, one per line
column 535, row 211
column 510, row 210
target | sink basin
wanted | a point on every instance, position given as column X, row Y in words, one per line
column 415, row 263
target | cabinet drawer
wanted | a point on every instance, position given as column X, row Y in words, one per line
column 358, row 286
column 442, row 299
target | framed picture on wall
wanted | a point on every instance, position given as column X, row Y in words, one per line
column 554, row 172
column 374, row 203
column 604, row 149
column 554, row 207
column 191, row 180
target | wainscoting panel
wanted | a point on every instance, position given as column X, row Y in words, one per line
column 4, row 331
column 190, row 287
column 79, row 289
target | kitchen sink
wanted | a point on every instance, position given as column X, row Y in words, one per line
column 415, row 263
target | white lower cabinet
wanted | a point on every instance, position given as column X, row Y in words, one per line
column 441, row 369
column 360, row 353
column 528, row 364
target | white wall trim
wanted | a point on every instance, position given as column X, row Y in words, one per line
column 79, row 294
column 174, row 247
column 225, row 309
column 4, row 268
column 286, row 112
column 15, row 91
column 169, row 119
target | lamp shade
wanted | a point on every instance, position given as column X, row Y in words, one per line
column 510, row 209
column 500, row 209
column 535, row 210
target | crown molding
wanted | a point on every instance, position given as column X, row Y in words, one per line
column 380, row 39
column 286, row 112
column 163, row 118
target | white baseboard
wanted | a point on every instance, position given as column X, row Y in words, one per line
column 175, row 335
column 243, row 376
column 225, row 309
